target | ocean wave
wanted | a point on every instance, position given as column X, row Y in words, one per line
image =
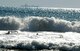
column 38, row 24
column 9, row 23
column 50, row 24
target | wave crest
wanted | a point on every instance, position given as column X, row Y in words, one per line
column 50, row 24
column 39, row 24
column 9, row 23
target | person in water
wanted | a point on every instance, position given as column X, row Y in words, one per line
column 37, row 34
column 8, row 32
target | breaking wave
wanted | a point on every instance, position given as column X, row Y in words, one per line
column 9, row 23
column 38, row 24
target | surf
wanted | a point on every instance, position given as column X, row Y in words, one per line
column 38, row 24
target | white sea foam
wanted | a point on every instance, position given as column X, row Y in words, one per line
column 44, row 40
